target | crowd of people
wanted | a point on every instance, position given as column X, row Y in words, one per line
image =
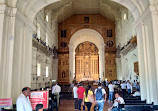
column 86, row 95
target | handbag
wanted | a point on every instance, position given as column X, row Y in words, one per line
column 90, row 98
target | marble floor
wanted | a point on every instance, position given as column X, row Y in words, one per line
column 68, row 105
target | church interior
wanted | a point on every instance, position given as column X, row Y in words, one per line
column 47, row 41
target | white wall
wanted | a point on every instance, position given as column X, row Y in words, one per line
column 40, row 57
column 124, row 32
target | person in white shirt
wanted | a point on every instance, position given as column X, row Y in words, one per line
column 134, row 85
column 23, row 103
column 129, row 87
column 75, row 95
column 56, row 89
column 111, row 91
column 99, row 80
column 123, row 87
column 118, row 100
column 137, row 93
column 100, row 96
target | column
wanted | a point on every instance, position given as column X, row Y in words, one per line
column 154, row 14
column 22, row 60
column 147, row 54
column 6, row 49
column 71, row 62
column 55, row 69
column 118, row 66
column 101, row 62
column 2, row 23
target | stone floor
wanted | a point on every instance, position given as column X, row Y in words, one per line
column 68, row 105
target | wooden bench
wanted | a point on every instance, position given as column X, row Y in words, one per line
column 134, row 101
column 133, row 104
column 145, row 107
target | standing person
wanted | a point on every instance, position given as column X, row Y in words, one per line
column 88, row 95
column 118, row 100
column 138, row 86
column 129, row 87
column 134, row 85
column 56, row 89
column 100, row 96
column 39, row 107
column 111, row 91
column 23, row 102
column 75, row 95
column 80, row 92
column 107, row 83
column 123, row 87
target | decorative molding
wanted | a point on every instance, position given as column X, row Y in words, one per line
column 25, row 20
column 129, row 46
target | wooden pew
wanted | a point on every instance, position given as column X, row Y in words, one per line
column 155, row 108
column 134, row 104
column 145, row 107
column 135, row 101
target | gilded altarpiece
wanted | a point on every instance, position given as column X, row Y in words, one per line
column 110, row 66
column 81, row 21
column 63, row 72
column 87, row 62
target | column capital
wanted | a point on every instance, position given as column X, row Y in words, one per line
column 2, row 8
column 10, row 11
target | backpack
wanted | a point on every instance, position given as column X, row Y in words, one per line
column 99, row 95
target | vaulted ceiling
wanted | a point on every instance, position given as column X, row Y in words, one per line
column 66, row 8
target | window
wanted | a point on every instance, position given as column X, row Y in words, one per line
column 47, row 18
column 38, row 69
column 109, row 33
column 38, row 31
column 86, row 19
column 47, row 71
column 63, row 33
column 46, row 39
column 125, row 16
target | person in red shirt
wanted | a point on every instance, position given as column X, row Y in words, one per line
column 80, row 92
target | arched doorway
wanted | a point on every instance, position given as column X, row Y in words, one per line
column 81, row 36
column 86, row 62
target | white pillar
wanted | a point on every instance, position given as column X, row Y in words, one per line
column 2, row 23
column 118, row 66
column 6, row 49
column 147, row 53
column 101, row 62
column 22, row 61
column 142, row 62
column 154, row 14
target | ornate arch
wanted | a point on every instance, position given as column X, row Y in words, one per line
column 80, row 37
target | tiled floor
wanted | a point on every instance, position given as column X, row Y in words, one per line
column 68, row 105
